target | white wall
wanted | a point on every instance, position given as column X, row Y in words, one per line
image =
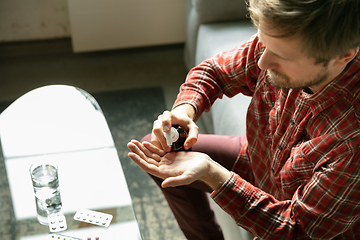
column 94, row 24
column 108, row 24
column 22, row 20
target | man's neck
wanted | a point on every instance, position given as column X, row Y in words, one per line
column 334, row 74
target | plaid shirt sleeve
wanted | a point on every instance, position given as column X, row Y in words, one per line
column 298, row 177
column 325, row 207
column 226, row 73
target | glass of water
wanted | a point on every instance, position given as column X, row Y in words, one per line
column 45, row 182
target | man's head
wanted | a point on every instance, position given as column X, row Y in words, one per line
column 327, row 28
column 308, row 43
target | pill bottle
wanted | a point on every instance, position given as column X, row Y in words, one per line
column 176, row 138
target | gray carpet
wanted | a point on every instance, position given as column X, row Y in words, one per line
column 130, row 115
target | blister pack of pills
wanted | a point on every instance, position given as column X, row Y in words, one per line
column 93, row 217
column 57, row 236
column 57, row 222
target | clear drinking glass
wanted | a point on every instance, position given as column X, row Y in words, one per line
column 45, row 182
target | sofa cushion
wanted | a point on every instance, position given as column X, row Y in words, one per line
column 228, row 115
column 217, row 37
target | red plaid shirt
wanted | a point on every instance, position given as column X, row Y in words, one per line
column 299, row 175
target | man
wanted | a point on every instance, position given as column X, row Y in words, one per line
column 297, row 176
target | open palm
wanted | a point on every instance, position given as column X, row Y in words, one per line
column 176, row 168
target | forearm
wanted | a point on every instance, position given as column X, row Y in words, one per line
column 186, row 109
column 195, row 92
column 221, row 75
column 216, row 175
column 202, row 87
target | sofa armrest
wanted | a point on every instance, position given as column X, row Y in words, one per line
column 219, row 10
column 207, row 11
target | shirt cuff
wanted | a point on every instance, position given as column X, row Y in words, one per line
column 233, row 193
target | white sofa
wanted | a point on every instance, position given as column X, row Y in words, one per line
column 214, row 26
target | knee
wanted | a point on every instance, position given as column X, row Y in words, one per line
column 147, row 138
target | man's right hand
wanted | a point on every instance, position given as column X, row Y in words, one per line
column 182, row 115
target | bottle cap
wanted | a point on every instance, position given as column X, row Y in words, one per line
column 171, row 136
column 174, row 134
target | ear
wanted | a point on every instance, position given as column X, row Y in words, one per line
column 347, row 57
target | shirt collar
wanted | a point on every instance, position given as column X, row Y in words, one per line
column 335, row 90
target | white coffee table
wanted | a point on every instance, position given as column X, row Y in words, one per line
column 65, row 126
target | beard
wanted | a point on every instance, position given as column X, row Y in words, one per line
column 282, row 81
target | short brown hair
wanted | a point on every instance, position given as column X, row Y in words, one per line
column 328, row 28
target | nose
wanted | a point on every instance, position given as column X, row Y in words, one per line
column 267, row 60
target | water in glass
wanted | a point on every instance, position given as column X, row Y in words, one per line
column 47, row 192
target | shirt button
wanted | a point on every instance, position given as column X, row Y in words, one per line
column 272, row 104
column 280, row 148
column 273, row 170
column 301, row 93
column 292, row 122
